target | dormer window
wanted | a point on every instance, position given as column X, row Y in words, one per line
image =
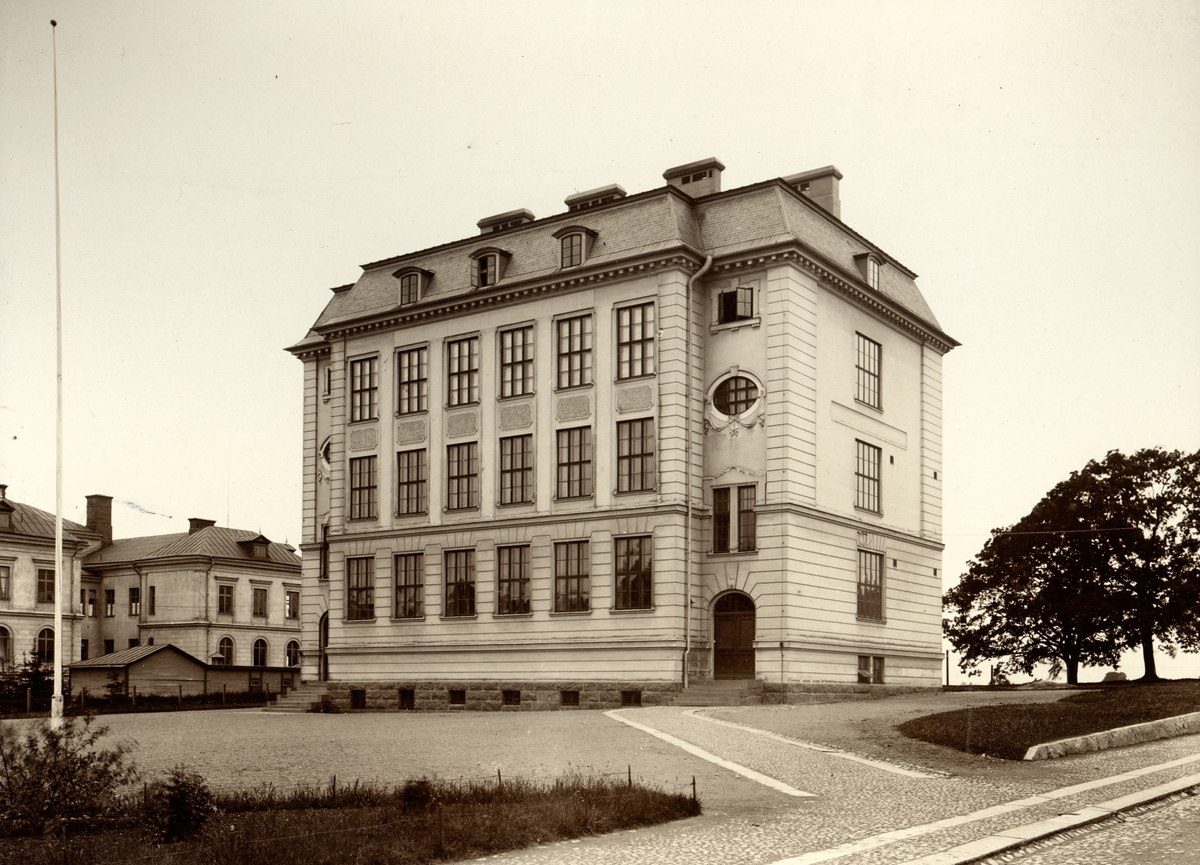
column 5, row 520
column 256, row 548
column 869, row 265
column 574, row 244
column 258, row 551
column 488, row 266
column 414, row 284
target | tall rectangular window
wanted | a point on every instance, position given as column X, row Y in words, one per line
column 572, row 250
column 151, row 605
column 410, row 585
column 572, row 583
column 91, row 604
column 412, row 482
column 360, row 588
column 45, row 585
column 635, row 341
column 870, row 585
column 574, row 351
column 516, row 470
column 224, row 600
column 634, row 570
column 635, row 455
column 747, row 521
column 135, row 601
column 364, row 388
column 736, row 304
column 721, row 520
column 460, row 583
column 363, row 479
column 259, row 602
column 412, row 374
column 866, row 476
column 410, row 285
column 462, row 476
column 462, row 371
column 5, row 583
column 575, row 462
column 516, row 362
column 323, row 573
column 291, row 605
column 512, row 583
column 868, row 357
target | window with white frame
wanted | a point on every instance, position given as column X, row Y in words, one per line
column 635, row 341
column 734, row 519
column 363, row 488
column 5, row 583
column 868, row 460
column 258, row 601
column 412, row 377
column 870, row 585
column 364, row 389
column 462, row 476
column 460, row 583
column 572, row 580
column 735, row 395
column 462, row 371
column 45, row 585
column 574, row 463
column 516, row 470
column 135, row 601
column 291, row 605
column 512, row 580
column 634, row 572
column 735, row 304
column 574, row 351
column 516, row 362
column 635, row 455
column 360, row 588
column 412, row 482
column 410, row 585
column 571, row 250
column 410, row 288
column 868, row 358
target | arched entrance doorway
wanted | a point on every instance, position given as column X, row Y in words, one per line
column 733, row 632
column 323, row 644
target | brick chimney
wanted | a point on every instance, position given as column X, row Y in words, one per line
column 3, row 492
column 99, row 517
column 821, row 185
column 696, row 178
column 195, row 524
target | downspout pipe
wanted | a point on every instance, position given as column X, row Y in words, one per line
column 687, row 549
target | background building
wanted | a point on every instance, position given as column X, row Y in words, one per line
column 571, row 452
column 222, row 595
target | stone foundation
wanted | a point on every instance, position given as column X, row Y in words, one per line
column 832, row 692
column 488, row 696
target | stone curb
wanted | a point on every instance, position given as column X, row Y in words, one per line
column 1165, row 728
column 1009, row 840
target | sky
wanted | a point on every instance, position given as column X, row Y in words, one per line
column 224, row 164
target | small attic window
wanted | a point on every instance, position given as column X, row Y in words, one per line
column 5, row 520
column 574, row 245
column 414, row 284
column 873, row 273
column 258, row 551
column 869, row 265
column 488, row 266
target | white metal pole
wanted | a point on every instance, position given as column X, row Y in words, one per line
column 56, row 702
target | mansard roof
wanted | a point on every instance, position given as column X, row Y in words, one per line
column 725, row 224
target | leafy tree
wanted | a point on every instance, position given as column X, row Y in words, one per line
column 1149, row 506
column 1034, row 594
column 1109, row 559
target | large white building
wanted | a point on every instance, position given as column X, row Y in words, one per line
column 677, row 435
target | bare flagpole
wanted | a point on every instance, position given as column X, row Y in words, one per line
column 56, row 702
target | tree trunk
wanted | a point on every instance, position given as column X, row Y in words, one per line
column 1150, row 674
column 1072, row 666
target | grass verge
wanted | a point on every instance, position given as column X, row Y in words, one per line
column 419, row 822
column 1009, row 730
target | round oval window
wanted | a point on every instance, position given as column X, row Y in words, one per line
column 735, row 395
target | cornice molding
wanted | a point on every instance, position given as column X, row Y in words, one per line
column 860, row 295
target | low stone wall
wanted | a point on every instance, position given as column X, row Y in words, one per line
column 1166, row 728
column 488, row 696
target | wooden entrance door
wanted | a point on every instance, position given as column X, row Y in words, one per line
column 733, row 632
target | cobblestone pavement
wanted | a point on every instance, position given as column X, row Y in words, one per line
column 1168, row 834
column 744, row 821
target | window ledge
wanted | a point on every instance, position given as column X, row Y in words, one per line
column 569, row 613
column 468, row 510
column 572, row 387
column 403, row 619
column 866, row 511
column 416, row 516
column 875, row 408
column 469, row 618
column 419, row 413
column 643, row 377
column 460, row 405
column 362, row 421
column 622, row 611
column 362, row 519
column 648, row 492
column 574, row 498
column 528, row 615
column 528, row 504
column 733, row 326
column 369, row 621
column 753, row 552
column 529, row 395
column 871, row 620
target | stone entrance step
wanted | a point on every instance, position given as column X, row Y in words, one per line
column 721, row 692
column 307, row 698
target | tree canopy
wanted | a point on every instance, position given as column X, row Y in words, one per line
column 1109, row 559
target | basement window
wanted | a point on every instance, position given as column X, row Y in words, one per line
column 512, row 698
column 631, row 698
column 458, row 697
column 569, row 698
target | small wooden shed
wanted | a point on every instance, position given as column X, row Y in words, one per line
column 165, row 669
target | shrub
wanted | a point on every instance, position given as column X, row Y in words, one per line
column 50, row 776
column 180, row 806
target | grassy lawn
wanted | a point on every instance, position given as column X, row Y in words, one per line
column 1008, row 731
column 417, row 823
